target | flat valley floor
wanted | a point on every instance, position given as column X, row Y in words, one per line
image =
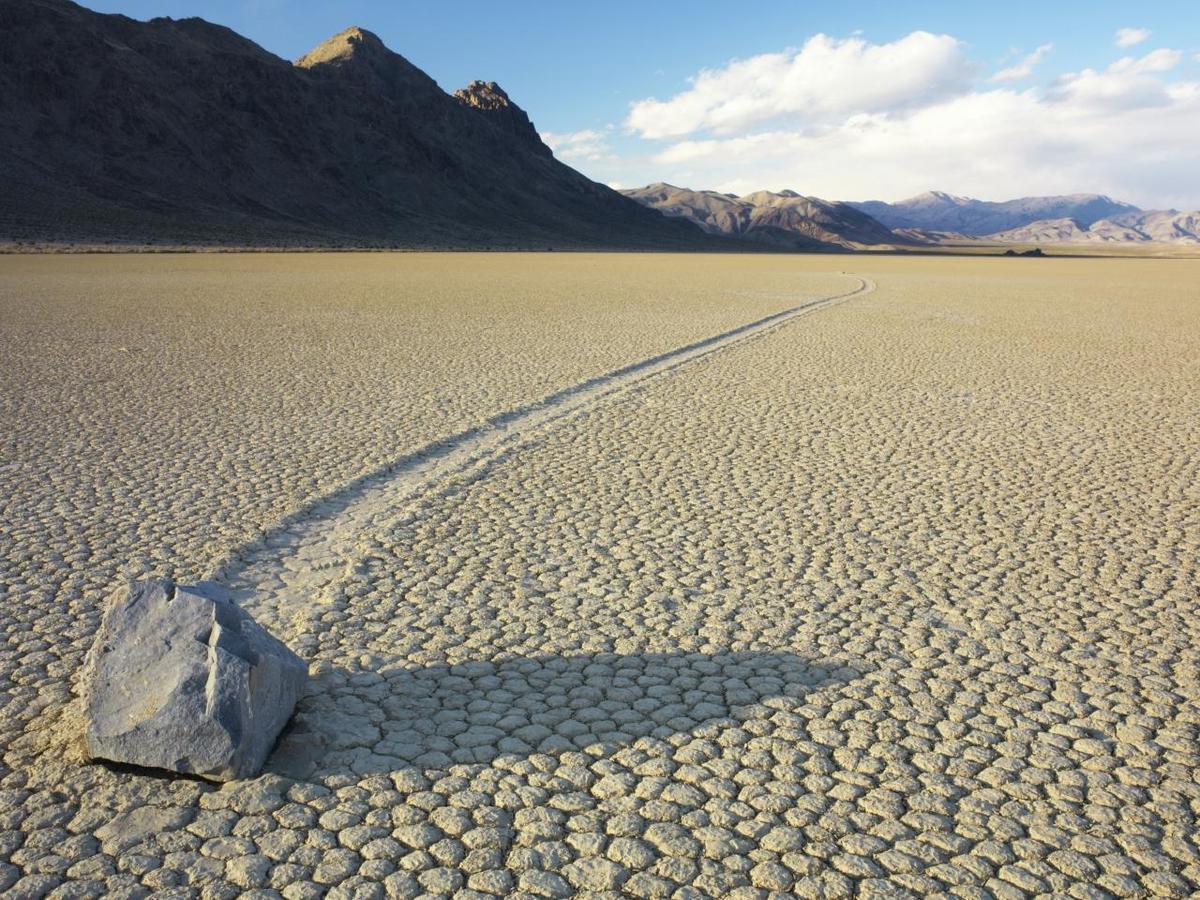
column 894, row 594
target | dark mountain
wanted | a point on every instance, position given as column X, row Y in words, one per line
column 183, row 131
column 784, row 219
column 937, row 211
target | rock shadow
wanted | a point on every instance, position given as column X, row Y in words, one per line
column 368, row 722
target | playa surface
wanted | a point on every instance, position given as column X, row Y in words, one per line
column 890, row 590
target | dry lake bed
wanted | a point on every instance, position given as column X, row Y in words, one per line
column 620, row 575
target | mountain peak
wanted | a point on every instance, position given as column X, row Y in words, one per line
column 484, row 95
column 490, row 99
column 342, row 46
column 938, row 197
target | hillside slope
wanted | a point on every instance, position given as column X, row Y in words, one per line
column 183, row 131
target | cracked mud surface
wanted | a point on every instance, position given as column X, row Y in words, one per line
column 898, row 599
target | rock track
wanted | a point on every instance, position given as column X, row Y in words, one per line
column 284, row 576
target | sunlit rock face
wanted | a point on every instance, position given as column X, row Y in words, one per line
column 180, row 678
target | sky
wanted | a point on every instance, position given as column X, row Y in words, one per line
column 849, row 101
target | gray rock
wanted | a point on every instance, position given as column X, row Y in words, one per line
column 181, row 678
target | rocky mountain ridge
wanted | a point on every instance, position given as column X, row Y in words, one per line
column 181, row 131
column 784, row 219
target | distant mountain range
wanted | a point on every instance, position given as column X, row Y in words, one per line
column 937, row 211
column 1072, row 219
column 785, row 219
column 1163, row 226
column 183, row 131
column 788, row 219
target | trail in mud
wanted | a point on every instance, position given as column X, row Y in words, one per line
column 286, row 573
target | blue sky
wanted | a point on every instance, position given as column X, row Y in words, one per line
column 1078, row 118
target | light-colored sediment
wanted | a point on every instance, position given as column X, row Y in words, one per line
column 898, row 599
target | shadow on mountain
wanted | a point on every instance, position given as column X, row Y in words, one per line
column 179, row 131
column 384, row 721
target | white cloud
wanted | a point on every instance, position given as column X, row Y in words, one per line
column 1155, row 61
column 1025, row 67
column 1128, row 130
column 586, row 145
column 1128, row 83
column 825, row 80
column 1128, row 37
